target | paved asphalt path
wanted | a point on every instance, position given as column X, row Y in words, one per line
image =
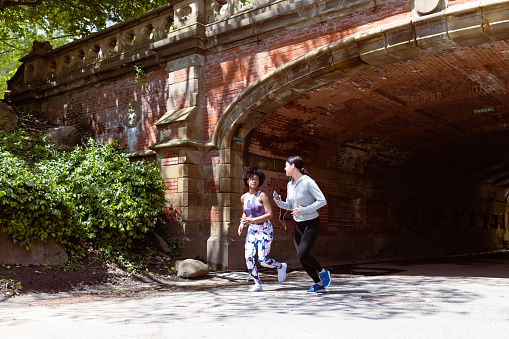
column 455, row 297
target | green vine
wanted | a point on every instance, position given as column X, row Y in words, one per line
column 138, row 71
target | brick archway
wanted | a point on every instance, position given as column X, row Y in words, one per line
column 466, row 26
column 351, row 57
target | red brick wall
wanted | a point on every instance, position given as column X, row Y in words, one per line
column 98, row 111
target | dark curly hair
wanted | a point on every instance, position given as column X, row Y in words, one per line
column 250, row 171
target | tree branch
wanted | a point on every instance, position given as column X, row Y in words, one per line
column 8, row 3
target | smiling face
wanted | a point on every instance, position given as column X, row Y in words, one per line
column 253, row 181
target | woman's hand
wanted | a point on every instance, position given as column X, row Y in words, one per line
column 241, row 227
column 296, row 211
column 246, row 220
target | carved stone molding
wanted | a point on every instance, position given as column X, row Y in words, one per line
column 185, row 13
column 132, row 114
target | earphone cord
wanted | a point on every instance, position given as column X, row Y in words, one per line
column 282, row 221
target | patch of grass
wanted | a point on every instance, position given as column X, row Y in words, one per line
column 69, row 267
column 9, row 287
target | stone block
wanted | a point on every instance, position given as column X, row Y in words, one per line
column 226, row 252
column 182, row 171
column 194, row 247
column 372, row 48
column 320, row 61
column 188, row 185
column 274, row 80
column 297, row 70
column 227, row 171
column 363, row 247
column 175, row 228
column 187, row 156
column 345, row 57
column 465, row 25
column 231, row 185
column 229, row 156
column 401, row 40
column 222, row 199
column 222, row 228
column 196, row 227
column 496, row 19
column 47, row 252
column 431, row 33
column 185, row 62
column 185, row 199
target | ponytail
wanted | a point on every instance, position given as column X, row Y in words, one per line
column 299, row 164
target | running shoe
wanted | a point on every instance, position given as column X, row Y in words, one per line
column 281, row 273
column 256, row 288
column 325, row 277
column 316, row 288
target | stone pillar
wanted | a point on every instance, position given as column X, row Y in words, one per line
column 225, row 249
column 182, row 170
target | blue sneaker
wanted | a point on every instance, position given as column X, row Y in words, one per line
column 325, row 277
column 316, row 288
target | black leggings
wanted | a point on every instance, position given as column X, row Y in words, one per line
column 306, row 233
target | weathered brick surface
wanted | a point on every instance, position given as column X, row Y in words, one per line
column 98, row 111
column 231, row 71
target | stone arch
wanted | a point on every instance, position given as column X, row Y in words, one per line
column 460, row 26
column 451, row 29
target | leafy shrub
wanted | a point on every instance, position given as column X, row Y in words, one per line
column 92, row 196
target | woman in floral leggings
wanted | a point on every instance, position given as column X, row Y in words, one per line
column 257, row 214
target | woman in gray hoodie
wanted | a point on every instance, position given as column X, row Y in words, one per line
column 303, row 199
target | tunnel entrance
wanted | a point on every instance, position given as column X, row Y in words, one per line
column 411, row 155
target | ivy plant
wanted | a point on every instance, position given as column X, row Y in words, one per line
column 92, row 196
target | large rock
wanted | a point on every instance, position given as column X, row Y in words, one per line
column 64, row 136
column 191, row 268
column 8, row 119
column 47, row 252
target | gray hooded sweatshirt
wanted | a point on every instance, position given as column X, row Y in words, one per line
column 305, row 193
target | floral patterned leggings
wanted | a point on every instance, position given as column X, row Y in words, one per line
column 259, row 237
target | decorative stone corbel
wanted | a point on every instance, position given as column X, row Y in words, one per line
column 188, row 12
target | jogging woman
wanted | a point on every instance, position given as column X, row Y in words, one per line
column 257, row 214
column 303, row 199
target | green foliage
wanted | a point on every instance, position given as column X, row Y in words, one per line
column 92, row 196
column 138, row 71
column 58, row 22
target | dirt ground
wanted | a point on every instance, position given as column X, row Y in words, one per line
column 91, row 274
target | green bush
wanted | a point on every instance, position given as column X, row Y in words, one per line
column 92, row 196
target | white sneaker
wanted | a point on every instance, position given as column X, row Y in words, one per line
column 281, row 272
column 256, row 288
